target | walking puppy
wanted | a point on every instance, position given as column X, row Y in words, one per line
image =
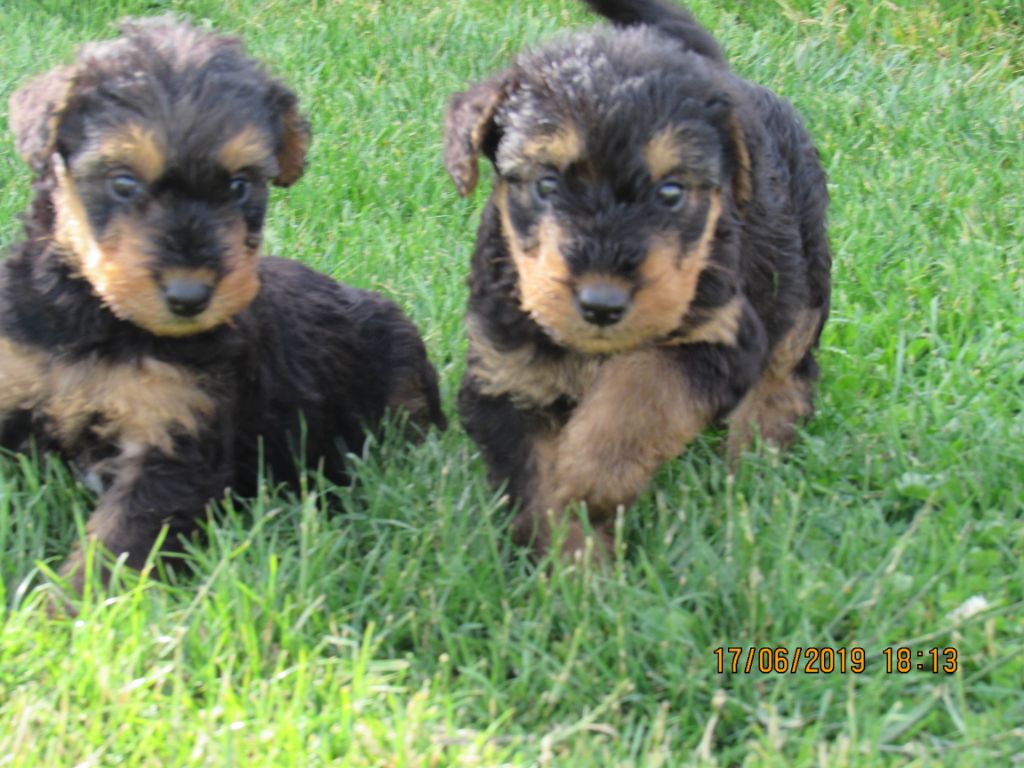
column 652, row 260
column 141, row 335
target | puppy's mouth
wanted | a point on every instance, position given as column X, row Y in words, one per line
column 592, row 315
column 182, row 301
column 600, row 341
column 603, row 321
column 173, row 302
column 605, row 311
column 191, row 301
column 607, row 314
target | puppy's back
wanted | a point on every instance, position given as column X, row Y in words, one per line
column 329, row 361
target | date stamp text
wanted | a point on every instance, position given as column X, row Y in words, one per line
column 827, row 660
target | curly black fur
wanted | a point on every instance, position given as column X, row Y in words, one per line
column 599, row 97
column 297, row 376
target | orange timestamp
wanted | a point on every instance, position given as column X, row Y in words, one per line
column 827, row 660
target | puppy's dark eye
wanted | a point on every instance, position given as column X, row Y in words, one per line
column 672, row 195
column 545, row 187
column 240, row 188
column 124, row 187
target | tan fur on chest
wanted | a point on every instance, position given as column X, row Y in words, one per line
column 137, row 402
column 21, row 375
column 528, row 379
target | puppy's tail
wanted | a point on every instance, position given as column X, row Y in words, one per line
column 664, row 16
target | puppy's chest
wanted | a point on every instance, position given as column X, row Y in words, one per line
column 531, row 379
column 79, row 403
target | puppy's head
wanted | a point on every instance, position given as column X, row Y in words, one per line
column 159, row 146
column 616, row 155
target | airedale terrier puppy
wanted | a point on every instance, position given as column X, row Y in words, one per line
column 652, row 260
column 141, row 334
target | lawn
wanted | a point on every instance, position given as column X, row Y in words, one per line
column 391, row 622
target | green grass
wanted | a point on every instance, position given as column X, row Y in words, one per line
column 391, row 623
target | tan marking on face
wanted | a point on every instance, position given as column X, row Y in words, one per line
column 136, row 147
column 249, row 148
column 545, row 285
column 137, row 402
column 662, row 153
column 529, row 381
column 71, row 228
column 21, row 376
column 721, row 327
column 780, row 399
column 559, row 149
column 117, row 267
column 668, row 279
column 122, row 273
column 667, row 284
column 240, row 284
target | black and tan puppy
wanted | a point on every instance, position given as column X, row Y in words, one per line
column 141, row 336
column 652, row 260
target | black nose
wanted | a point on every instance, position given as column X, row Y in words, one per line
column 602, row 303
column 187, row 298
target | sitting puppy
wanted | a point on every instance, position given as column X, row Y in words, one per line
column 141, row 335
column 652, row 260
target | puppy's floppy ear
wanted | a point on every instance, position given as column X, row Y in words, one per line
column 34, row 112
column 294, row 137
column 723, row 113
column 469, row 129
column 742, row 181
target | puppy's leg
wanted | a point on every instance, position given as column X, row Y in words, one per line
column 641, row 411
column 517, row 445
column 783, row 395
column 150, row 489
column 21, row 374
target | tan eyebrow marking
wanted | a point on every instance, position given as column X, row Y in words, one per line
column 250, row 147
column 136, row 147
